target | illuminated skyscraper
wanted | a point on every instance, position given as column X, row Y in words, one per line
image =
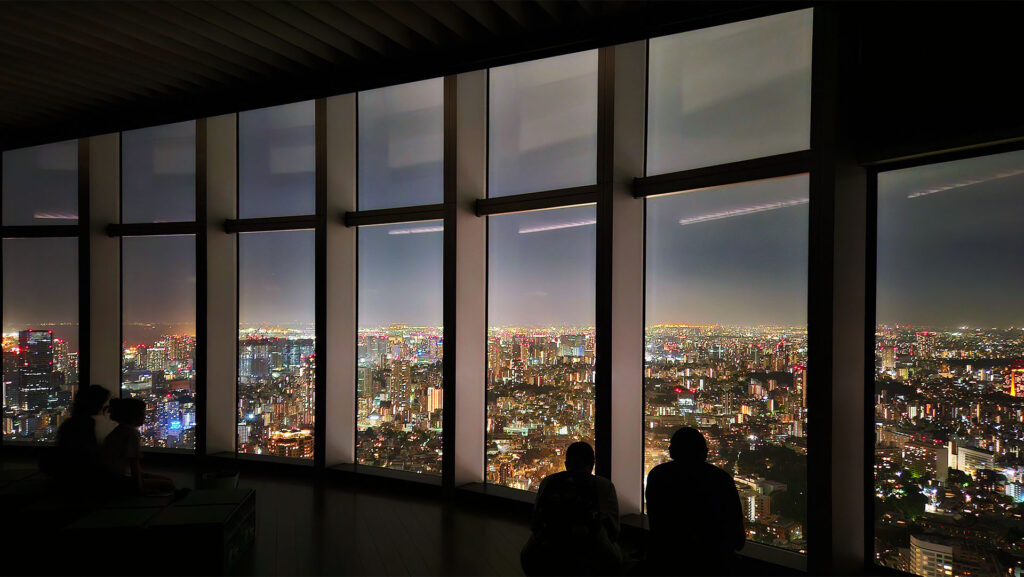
column 36, row 359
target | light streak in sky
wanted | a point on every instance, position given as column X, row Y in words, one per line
column 557, row 226
column 417, row 230
column 968, row 182
column 55, row 215
column 743, row 211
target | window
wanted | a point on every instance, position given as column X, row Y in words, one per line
column 729, row 93
column 40, row 335
column 726, row 341
column 401, row 145
column 40, row 290
column 40, row 185
column 543, row 125
column 400, row 346
column 276, row 343
column 540, row 341
column 948, row 367
column 276, row 161
column 158, row 334
column 159, row 174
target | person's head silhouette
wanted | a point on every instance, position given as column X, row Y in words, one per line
column 579, row 457
column 90, row 401
column 688, row 446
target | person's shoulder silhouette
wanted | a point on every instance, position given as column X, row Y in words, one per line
column 693, row 507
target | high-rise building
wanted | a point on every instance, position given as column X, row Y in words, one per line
column 929, row 559
column 36, row 359
column 295, row 443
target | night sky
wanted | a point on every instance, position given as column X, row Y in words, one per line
column 400, row 274
column 734, row 255
column 949, row 243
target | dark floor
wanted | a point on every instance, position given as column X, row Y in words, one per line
column 322, row 526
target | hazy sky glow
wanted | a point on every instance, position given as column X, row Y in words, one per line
column 400, row 274
column 949, row 243
column 733, row 255
column 541, row 272
column 158, row 285
column 35, row 294
column 275, row 278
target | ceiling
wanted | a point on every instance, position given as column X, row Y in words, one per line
column 70, row 69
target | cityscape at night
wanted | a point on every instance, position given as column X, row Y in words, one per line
column 540, row 399
column 162, row 374
column 400, row 398
column 40, row 376
column 745, row 388
column 949, row 430
column 276, row 398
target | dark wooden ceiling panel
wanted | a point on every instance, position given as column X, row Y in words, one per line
column 72, row 69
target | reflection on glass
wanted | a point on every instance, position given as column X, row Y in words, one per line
column 400, row 347
column 276, row 343
column 401, row 145
column 40, row 335
column 543, row 125
column 949, row 368
column 540, row 341
column 729, row 93
column 40, row 184
column 158, row 171
column 277, row 161
column 158, row 332
column 726, row 342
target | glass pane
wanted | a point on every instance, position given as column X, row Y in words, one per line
column 401, row 145
column 543, row 125
column 726, row 342
column 949, row 372
column 400, row 347
column 158, row 333
column 40, row 335
column 40, row 184
column 158, row 173
column 729, row 93
column 276, row 343
column 540, row 341
column 277, row 161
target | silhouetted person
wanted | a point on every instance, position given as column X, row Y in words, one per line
column 694, row 511
column 575, row 521
column 76, row 459
column 122, row 450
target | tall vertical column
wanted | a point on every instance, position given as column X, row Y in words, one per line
column 222, row 284
column 837, row 379
column 105, row 262
column 341, row 273
column 627, row 284
column 468, row 256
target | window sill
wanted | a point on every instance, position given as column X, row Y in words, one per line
column 758, row 551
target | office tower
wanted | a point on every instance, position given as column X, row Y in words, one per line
column 36, row 369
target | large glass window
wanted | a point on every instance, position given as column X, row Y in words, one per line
column 401, row 145
column 543, row 125
column 540, row 342
column 40, row 185
column 159, row 173
column 276, row 343
column 726, row 341
column 949, row 368
column 730, row 93
column 276, row 161
column 158, row 333
column 40, row 335
column 400, row 395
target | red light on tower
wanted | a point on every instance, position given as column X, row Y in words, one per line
column 678, row 390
